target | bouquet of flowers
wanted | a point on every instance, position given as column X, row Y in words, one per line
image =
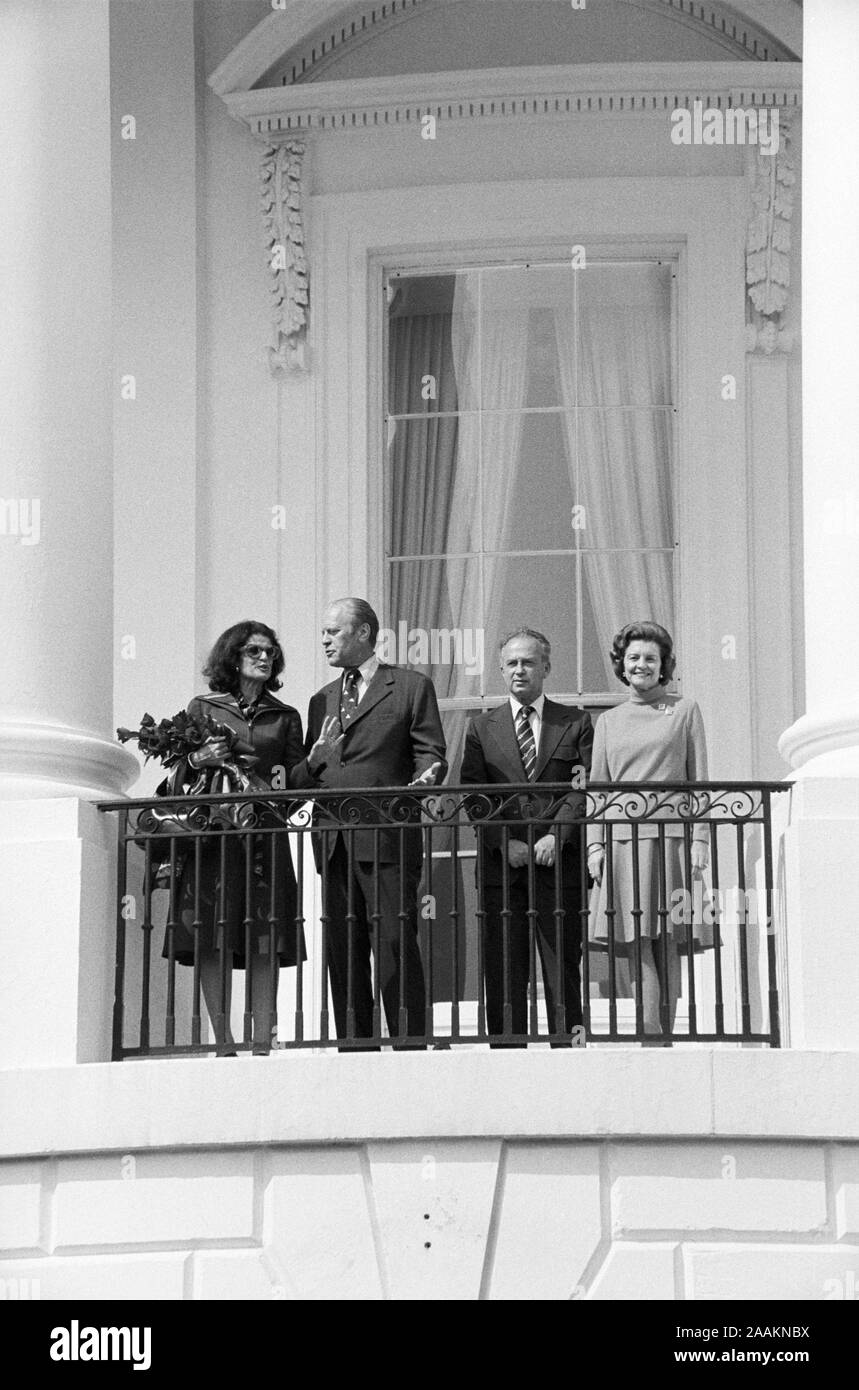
column 172, row 741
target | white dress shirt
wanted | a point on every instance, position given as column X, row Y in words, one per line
column 535, row 720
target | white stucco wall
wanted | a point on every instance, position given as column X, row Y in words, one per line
column 458, row 1176
column 290, row 573
column 260, row 443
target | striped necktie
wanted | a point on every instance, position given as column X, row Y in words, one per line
column 349, row 696
column 525, row 736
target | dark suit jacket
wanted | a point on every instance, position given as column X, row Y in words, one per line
column 395, row 735
column 492, row 756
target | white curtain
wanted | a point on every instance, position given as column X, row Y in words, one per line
column 439, row 506
column 453, row 478
column 491, row 371
column 619, row 459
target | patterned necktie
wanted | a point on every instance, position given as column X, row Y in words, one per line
column 349, row 696
column 525, row 735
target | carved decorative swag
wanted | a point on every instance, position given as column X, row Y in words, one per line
column 284, row 228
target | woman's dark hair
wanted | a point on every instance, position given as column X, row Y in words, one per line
column 222, row 666
column 644, row 632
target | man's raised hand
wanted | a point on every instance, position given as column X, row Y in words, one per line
column 327, row 747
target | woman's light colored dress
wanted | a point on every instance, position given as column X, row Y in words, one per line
column 654, row 738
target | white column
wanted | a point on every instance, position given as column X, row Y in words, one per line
column 157, row 565
column 819, row 858
column 56, row 536
column 825, row 741
column 56, row 495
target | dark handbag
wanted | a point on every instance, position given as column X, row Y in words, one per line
column 171, row 823
column 163, row 826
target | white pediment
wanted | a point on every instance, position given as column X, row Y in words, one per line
column 323, row 41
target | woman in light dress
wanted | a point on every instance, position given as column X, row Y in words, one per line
column 653, row 736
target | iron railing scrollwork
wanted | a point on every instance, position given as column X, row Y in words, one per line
column 211, row 869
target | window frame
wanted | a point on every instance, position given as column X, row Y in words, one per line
column 385, row 269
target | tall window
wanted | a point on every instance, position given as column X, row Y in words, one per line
column 530, row 437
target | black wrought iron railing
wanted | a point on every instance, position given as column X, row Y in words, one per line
column 368, row 919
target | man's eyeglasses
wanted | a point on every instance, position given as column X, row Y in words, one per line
column 253, row 651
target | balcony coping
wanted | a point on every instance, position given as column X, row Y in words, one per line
column 296, row 1098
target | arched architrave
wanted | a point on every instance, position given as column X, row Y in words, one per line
column 305, row 34
column 309, row 31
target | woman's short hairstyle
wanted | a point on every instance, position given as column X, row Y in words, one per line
column 644, row 632
column 222, row 665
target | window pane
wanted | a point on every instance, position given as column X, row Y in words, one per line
column 544, row 396
column 537, row 592
column 432, row 486
column 434, row 623
column 455, row 722
column 622, row 589
column 624, row 335
column 518, row 342
column 596, row 673
column 624, row 478
column 527, row 493
column 431, row 321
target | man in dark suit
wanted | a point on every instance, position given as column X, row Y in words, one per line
column 374, row 726
column 530, row 739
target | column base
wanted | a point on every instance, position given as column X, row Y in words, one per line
column 824, row 744
column 818, row 884
column 57, row 933
column 51, row 760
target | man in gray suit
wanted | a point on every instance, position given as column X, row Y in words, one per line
column 530, row 738
column 374, row 726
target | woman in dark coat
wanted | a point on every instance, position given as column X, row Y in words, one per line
column 236, row 879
